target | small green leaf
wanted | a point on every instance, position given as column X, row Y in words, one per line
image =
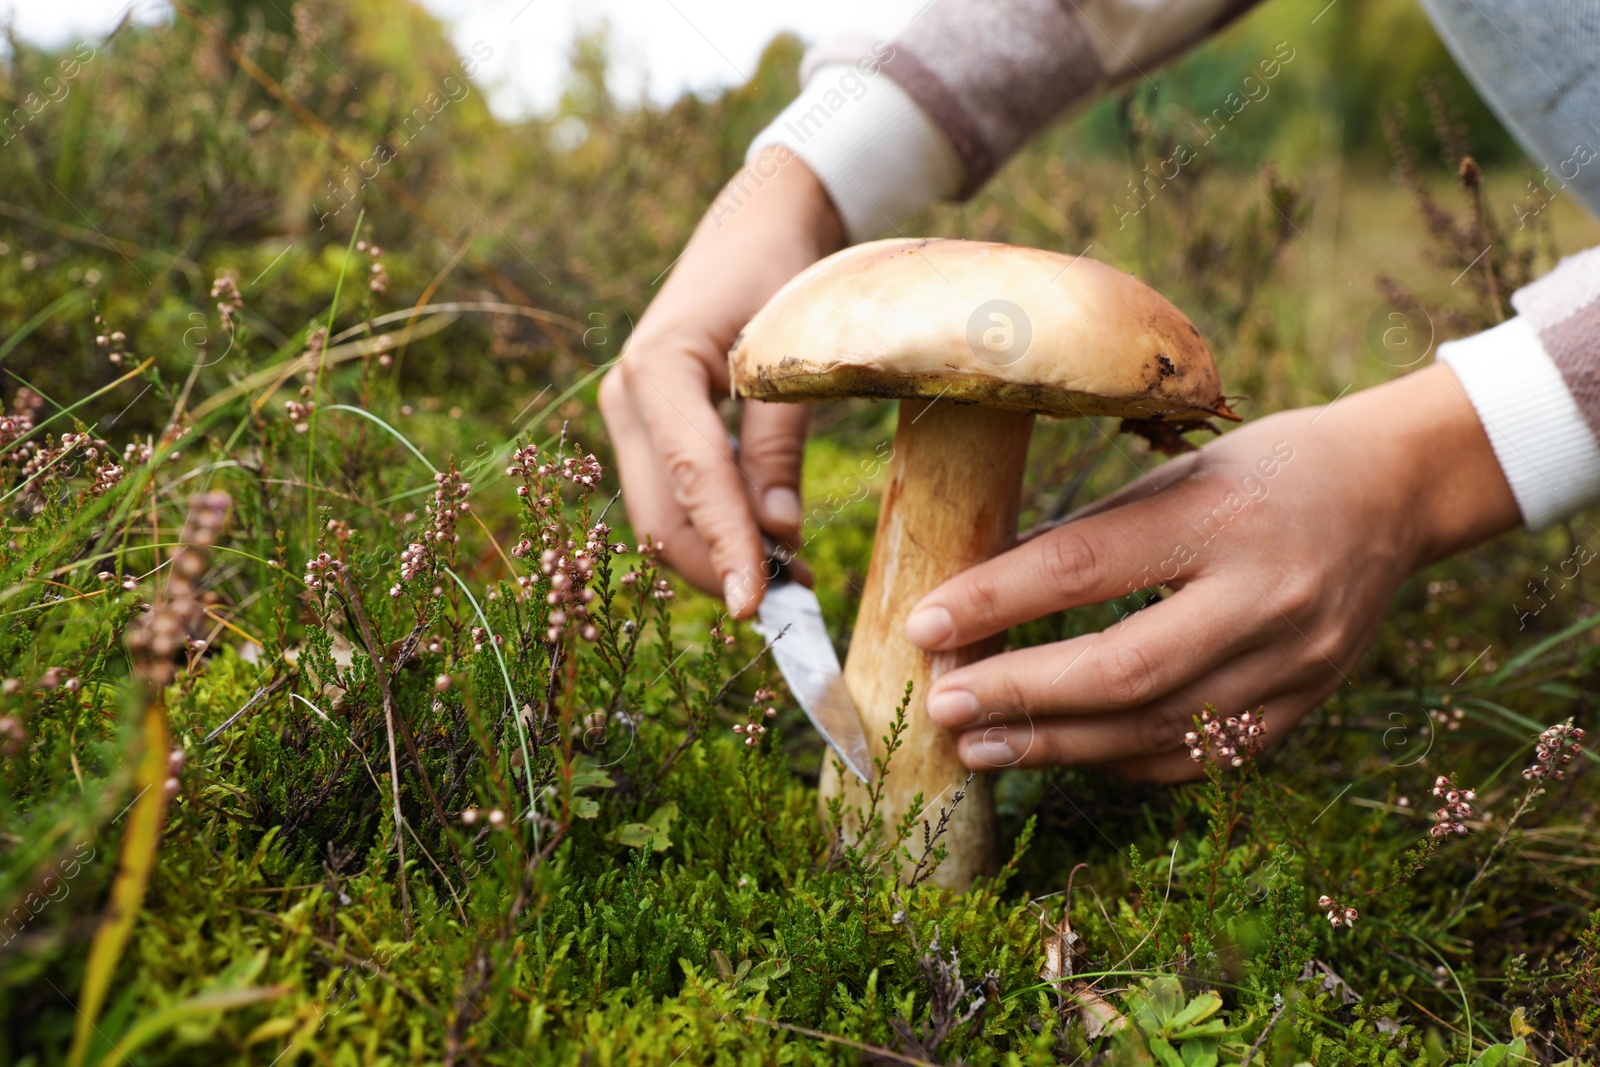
column 1504, row 1055
column 585, row 807
column 203, row 1005
column 1493, row 1056
column 652, row 833
column 764, row 972
column 588, row 774
column 1164, row 1053
column 1201, row 1007
column 1157, row 1002
column 1201, row 1052
column 640, row 835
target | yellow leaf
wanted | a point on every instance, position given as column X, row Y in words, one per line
column 154, row 1026
column 272, row 1028
column 140, row 843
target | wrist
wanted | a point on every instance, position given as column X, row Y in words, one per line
column 775, row 199
column 803, row 193
column 1449, row 479
column 771, row 221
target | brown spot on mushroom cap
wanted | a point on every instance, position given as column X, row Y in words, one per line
column 913, row 318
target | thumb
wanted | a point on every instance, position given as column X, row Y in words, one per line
column 771, row 446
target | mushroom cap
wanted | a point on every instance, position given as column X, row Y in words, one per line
column 978, row 322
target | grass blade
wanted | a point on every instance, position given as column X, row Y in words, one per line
column 61, row 302
column 396, row 434
column 140, row 844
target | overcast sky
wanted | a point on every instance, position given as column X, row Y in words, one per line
column 661, row 46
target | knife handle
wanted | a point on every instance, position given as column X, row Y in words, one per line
column 778, row 558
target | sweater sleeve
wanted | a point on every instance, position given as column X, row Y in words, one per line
column 1535, row 423
column 992, row 75
column 936, row 111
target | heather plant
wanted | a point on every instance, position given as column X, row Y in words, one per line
column 344, row 718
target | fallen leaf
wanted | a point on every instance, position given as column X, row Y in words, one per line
column 1096, row 1012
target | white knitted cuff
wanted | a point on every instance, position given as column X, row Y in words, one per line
column 1544, row 446
column 879, row 156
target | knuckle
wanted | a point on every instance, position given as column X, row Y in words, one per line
column 1009, row 694
column 1321, row 653
column 774, row 450
column 689, row 478
column 983, row 596
column 1162, row 729
column 1127, row 677
column 724, row 535
column 1069, row 561
column 1297, row 596
column 1160, row 770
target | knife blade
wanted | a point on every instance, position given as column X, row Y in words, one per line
column 791, row 620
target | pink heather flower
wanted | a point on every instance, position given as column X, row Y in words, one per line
column 1557, row 747
column 1233, row 739
column 321, row 571
column 225, row 291
column 753, row 728
column 1452, row 818
column 12, row 734
column 1338, row 914
column 106, row 478
column 299, row 414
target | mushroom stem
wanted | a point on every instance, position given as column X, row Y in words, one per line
column 950, row 501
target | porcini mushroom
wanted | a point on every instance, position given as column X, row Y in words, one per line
column 974, row 339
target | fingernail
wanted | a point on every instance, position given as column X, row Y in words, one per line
column 782, row 505
column 953, row 708
column 930, row 627
column 989, row 754
column 736, row 591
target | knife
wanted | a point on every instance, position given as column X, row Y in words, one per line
column 791, row 620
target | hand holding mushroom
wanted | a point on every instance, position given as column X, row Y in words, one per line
column 1284, row 542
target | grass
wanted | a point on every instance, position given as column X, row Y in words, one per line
column 381, row 814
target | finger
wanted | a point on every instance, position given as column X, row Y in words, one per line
column 1280, row 715
column 772, row 443
column 1101, row 557
column 704, row 477
column 1150, row 733
column 652, row 511
column 1146, row 657
column 801, row 573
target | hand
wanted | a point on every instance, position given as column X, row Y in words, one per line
column 1284, row 542
column 683, row 483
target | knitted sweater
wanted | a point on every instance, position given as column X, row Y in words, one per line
column 889, row 128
